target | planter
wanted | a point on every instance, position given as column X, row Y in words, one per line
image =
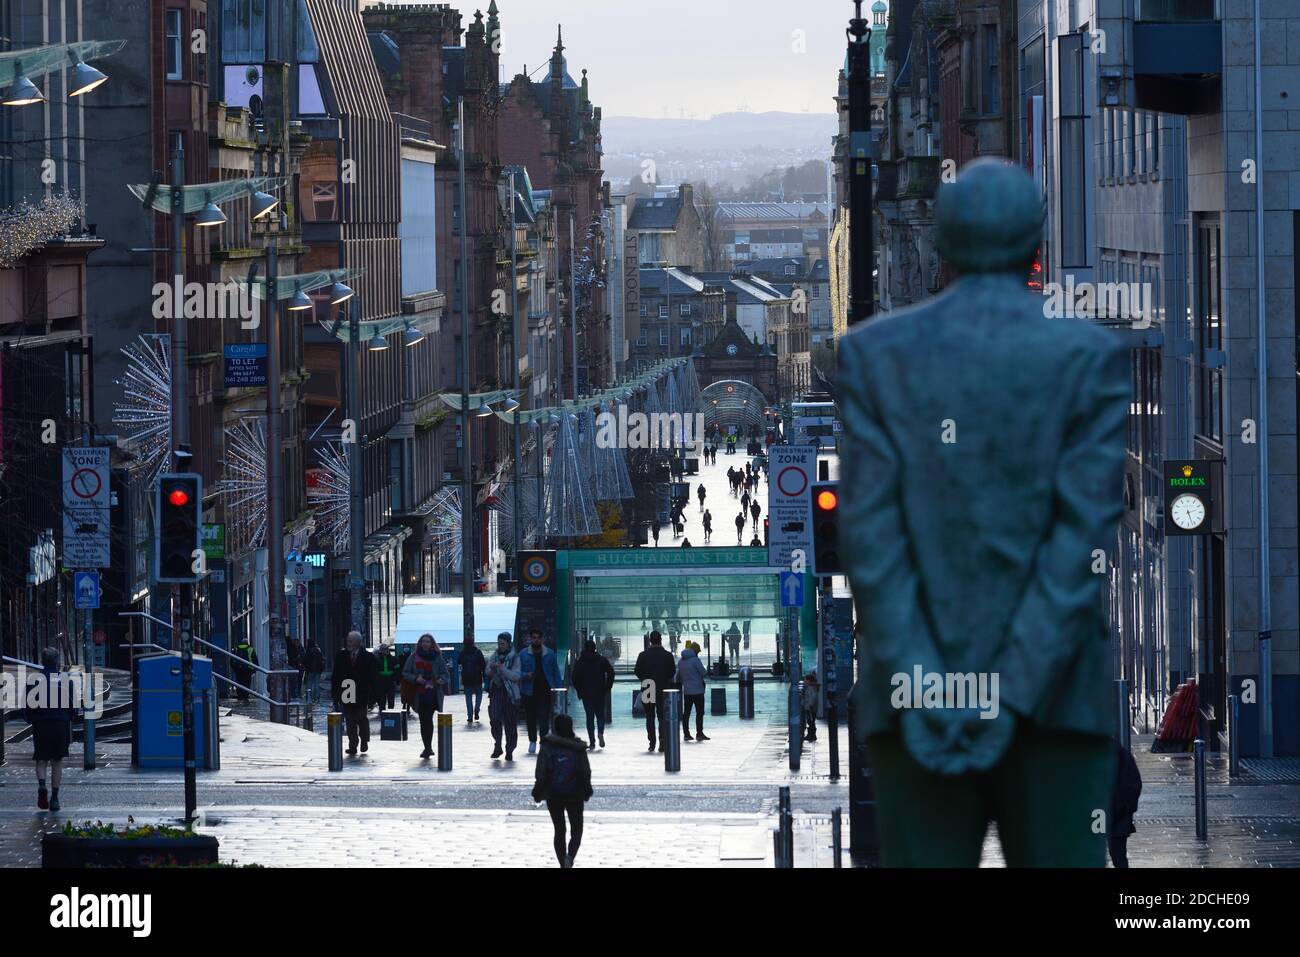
column 62, row 850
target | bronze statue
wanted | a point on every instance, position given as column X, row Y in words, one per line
column 981, row 485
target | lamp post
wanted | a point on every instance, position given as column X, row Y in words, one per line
column 467, row 467
column 861, row 292
column 356, row 501
column 573, row 305
column 514, row 358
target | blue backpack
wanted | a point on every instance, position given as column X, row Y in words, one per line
column 564, row 772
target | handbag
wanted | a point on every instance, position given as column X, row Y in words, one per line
column 410, row 693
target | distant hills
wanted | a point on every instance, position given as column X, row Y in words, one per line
column 723, row 132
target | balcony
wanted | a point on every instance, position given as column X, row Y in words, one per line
column 1177, row 56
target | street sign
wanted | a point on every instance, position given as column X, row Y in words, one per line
column 85, row 589
column 86, row 516
column 791, row 589
column 300, row 571
column 791, row 470
column 245, row 365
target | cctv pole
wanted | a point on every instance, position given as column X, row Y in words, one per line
column 861, row 253
column 276, row 686
column 514, row 355
column 467, row 468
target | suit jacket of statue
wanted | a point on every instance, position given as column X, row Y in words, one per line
column 982, row 467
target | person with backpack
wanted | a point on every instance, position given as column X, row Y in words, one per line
column 593, row 677
column 691, row 677
column 472, row 667
column 502, row 674
column 564, row 783
column 313, row 666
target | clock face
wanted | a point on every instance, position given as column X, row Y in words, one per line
column 732, row 350
column 1187, row 511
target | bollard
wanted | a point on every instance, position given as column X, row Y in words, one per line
column 1234, row 713
column 308, row 722
column 833, row 733
column 559, row 701
column 1125, row 728
column 746, row 683
column 444, row 741
column 787, row 828
column 1202, row 824
column 672, row 729
column 334, row 734
column 718, row 701
column 836, row 842
column 794, row 723
column 211, row 731
column 776, row 848
column 609, row 705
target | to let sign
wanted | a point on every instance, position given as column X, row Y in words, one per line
column 245, row 365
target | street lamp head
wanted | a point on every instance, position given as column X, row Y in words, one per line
column 22, row 93
column 84, row 79
column 511, row 405
column 210, row 215
column 263, row 204
column 484, row 411
column 300, row 301
column 413, row 336
column 377, row 343
column 340, row 292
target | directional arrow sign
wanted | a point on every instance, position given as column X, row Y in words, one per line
column 791, row 590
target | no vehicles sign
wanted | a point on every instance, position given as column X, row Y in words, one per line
column 789, row 505
column 85, row 478
column 86, row 516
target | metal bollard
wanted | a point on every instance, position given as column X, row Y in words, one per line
column 609, row 705
column 444, row 741
column 787, row 828
column 672, row 729
column 212, row 731
column 1234, row 757
column 308, row 722
column 559, row 701
column 1125, row 725
column 334, row 734
column 777, row 844
column 746, row 704
column 833, row 734
column 837, row 844
column 794, row 723
column 1202, row 823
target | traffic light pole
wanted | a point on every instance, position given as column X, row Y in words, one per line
column 185, row 603
column 277, row 687
column 861, row 246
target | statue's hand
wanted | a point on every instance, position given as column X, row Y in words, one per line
column 957, row 740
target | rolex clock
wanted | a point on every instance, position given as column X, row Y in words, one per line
column 1189, row 497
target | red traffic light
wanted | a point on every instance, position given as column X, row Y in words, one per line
column 178, row 497
column 827, row 500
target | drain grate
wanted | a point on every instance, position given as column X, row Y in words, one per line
column 1274, row 770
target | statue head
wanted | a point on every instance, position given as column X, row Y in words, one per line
column 990, row 219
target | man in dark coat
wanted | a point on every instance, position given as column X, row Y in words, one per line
column 593, row 676
column 656, row 669
column 472, row 667
column 354, row 689
column 1123, row 805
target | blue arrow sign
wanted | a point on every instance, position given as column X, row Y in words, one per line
column 85, row 588
column 791, row 590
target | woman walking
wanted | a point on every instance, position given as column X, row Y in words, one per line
column 50, row 715
column 564, row 783
column 427, row 672
column 502, row 675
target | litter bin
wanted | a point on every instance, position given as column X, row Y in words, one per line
column 158, row 740
column 719, row 702
column 746, row 691
column 392, row 726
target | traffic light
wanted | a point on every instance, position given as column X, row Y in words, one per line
column 180, row 528
column 825, row 533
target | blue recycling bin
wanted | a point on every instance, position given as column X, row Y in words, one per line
column 159, row 741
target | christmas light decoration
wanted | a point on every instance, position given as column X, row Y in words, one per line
column 144, row 413
column 28, row 226
column 244, row 484
column 329, row 492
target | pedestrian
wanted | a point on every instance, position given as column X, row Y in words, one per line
column 740, row 526
column 686, row 543
column 293, row 650
column 353, row 689
column 732, row 635
column 593, row 677
column 808, row 704
column 388, row 673
column 654, row 530
column 699, row 493
column 472, row 667
column 744, row 499
column 564, row 783
column 313, row 666
column 754, row 508
column 691, row 678
column 427, row 671
column 50, row 708
column 502, row 675
column 243, row 671
column 656, row 670
column 1123, row 806
column 708, row 526
column 539, row 674
column 755, row 542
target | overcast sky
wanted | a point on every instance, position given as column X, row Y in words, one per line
column 645, row 57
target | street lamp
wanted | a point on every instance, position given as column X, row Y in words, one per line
column 22, row 92
column 209, row 215
column 412, row 336
column 263, row 205
column 300, row 301
column 340, row 292
column 84, row 79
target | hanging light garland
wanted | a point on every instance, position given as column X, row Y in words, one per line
column 28, row 226
column 144, row 413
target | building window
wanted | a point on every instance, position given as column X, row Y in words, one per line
column 684, row 309
column 172, row 44
column 989, row 100
column 642, row 338
column 1153, row 144
column 791, row 269
column 685, row 337
column 1073, row 221
column 663, row 337
column 663, row 310
column 1209, row 331
column 645, row 310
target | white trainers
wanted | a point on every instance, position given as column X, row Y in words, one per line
column 532, row 747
